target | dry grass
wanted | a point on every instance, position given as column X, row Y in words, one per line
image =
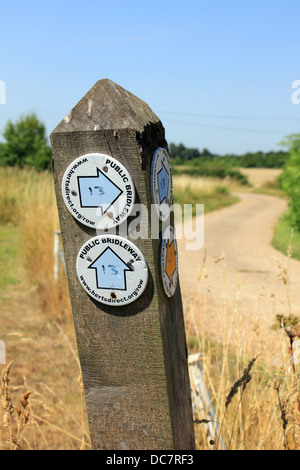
column 212, row 192
column 27, row 200
column 36, row 324
column 13, row 428
column 31, row 420
column 259, row 177
column 203, row 186
column 256, row 406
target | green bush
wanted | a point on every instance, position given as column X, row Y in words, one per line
column 26, row 144
column 290, row 179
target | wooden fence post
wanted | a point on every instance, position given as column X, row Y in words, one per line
column 133, row 357
column 2, row 353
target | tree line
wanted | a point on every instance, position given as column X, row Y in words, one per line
column 194, row 162
column 26, row 144
column 180, row 155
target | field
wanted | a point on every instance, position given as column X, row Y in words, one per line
column 255, row 400
column 211, row 191
column 262, row 177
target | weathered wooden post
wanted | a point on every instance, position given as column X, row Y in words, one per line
column 133, row 356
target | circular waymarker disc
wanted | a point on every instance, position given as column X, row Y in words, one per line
column 161, row 183
column 112, row 270
column 98, row 191
column 169, row 261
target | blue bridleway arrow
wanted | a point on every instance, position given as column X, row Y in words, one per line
column 110, row 270
column 163, row 183
column 97, row 191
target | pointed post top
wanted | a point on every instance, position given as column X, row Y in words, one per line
column 107, row 106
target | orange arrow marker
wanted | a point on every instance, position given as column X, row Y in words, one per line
column 170, row 261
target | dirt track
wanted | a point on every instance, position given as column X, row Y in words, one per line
column 241, row 292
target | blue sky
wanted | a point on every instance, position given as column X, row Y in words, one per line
column 218, row 73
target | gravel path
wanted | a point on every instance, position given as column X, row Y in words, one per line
column 240, row 290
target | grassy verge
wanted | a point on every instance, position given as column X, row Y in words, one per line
column 285, row 238
column 270, row 188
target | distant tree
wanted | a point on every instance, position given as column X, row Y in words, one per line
column 2, row 149
column 25, row 144
column 206, row 153
column 180, row 153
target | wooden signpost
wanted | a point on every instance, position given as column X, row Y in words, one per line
column 130, row 334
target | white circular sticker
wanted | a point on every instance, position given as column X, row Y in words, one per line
column 161, row 183
column 169, row 261
column 98, row 191
column 112, row 270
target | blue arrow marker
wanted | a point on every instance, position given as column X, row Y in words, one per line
column 163, row 183
column 110, row 270
column 97, row 191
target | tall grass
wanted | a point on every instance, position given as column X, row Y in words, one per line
column 256, row 405
column 56, row 407
column 38, row 419
column 27, row 201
